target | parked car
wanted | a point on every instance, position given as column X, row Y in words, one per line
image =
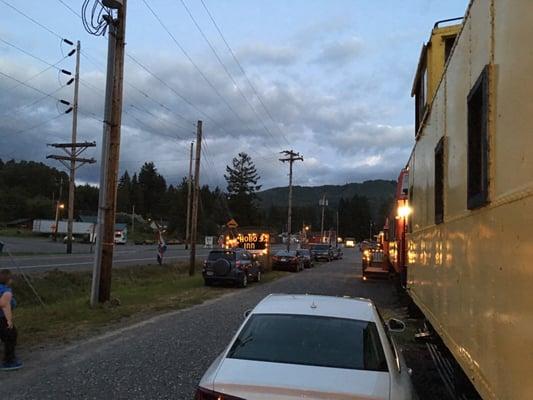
column 235, row 265
column 287, row 260
column 305, row 256
column 322, row 252
column 317, row 347
column 337, row 253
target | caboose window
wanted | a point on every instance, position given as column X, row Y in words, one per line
column 439, row 182
column 478, row 143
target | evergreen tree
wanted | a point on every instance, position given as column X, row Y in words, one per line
column 124, row 193
column 152, row 186
column 242, row 178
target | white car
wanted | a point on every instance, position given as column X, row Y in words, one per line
column 310, row 347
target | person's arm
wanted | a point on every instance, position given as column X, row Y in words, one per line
column 5, row 305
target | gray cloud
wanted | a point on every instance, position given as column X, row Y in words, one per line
column 338, row 131
column 340, row 53
column 267, row 54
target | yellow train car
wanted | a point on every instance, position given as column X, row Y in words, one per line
column 470, row 235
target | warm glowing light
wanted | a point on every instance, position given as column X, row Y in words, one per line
column 61, row 206
column 404, row 211
column 306, row 228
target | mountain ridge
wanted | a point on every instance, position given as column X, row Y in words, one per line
column 376, row 191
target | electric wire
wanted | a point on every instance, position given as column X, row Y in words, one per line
column 242, row 69
column 186, row 54
column 226, row 70
column 33, row 20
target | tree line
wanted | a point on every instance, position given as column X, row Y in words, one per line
column 29, row 190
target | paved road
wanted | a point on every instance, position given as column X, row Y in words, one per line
column 82, row 259
column 165, row 357
column 53, row 256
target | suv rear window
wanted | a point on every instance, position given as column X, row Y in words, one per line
column 310, row 340
column 217, row 255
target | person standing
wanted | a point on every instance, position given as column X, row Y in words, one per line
column 8, row 332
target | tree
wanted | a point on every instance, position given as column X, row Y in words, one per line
column 152, row 186
column 242, row 179
column 124, row 193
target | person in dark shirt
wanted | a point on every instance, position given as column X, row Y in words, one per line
column 8, row 332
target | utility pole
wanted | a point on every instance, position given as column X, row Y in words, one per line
column 195, row 198
column 72, row 186
column 73, row 149
column 338, row 223
column 58, row 207
column 290, row 157
column 101, row 285
column 189, row 189
column 323, row 202
column 133, row 218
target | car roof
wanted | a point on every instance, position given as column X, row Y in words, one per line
column 327, row 306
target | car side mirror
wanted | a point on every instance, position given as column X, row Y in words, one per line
column 396, row 325
column 247, row 313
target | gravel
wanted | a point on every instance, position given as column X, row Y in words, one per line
column 165, row 357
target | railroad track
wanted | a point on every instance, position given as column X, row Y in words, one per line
column 455, row 382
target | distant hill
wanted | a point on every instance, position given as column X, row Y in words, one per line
column 377, row 192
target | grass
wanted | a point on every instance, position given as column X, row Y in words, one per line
column 17, row 232
column 136, row 293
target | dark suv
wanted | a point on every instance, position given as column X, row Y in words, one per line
column 235, row 265
column 322, row 252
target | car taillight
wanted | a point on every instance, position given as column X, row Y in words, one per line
column 275, row 258
column 204, row 394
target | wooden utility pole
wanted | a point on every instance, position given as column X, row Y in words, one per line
column 73, row 149
column 323, row 202
column 133, row 218
column 189, row 190
column 195, row 198
column 101, row 287
column 290, row 157
column 58, row 207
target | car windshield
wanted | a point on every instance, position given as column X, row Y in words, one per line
column 310, row 340
column 285, row 253
column 217, row 255
column 302, row 252
column 321, row 247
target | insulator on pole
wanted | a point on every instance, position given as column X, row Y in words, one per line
column 64, row 71
column 71, row 52
column 67, row 103
column 70, row 81
column 69, row 110
column 68, row 42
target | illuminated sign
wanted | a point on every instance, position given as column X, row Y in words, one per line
column 253, row 241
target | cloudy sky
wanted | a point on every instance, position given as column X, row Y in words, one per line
column 331, row 79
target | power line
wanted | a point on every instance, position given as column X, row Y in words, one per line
column 32, row 19
column 192, row 62
column 50, row 94
column 30, row 54
column 192, row 105
column 228, row 73
column 70, row 8
column 36, row 126
column 242, row 69
column 36, row 75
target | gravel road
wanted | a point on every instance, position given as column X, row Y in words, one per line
column 164, row 357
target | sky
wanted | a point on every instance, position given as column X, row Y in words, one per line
column 330, row 79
